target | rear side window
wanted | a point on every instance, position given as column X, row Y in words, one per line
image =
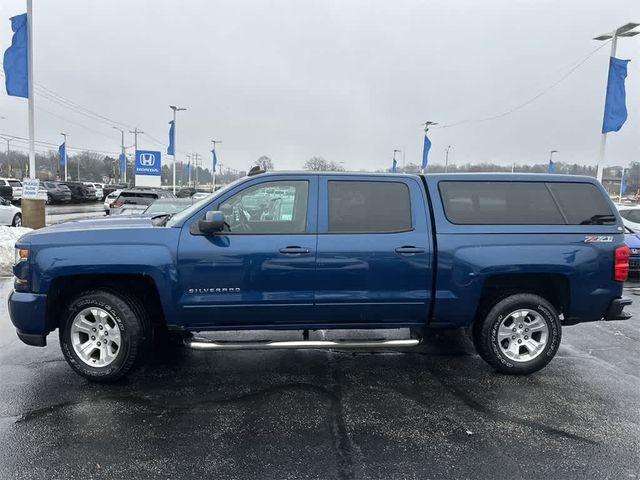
column 524, row 203
column 131, row 198
column 15, row 183
column 362, row 207
column 582, row 203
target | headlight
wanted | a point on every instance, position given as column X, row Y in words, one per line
column 22, row 255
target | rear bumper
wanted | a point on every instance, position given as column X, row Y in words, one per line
column 616, row 309
column 28, row 315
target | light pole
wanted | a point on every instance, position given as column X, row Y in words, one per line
column 395, row 162
column 64, row 136
column 214, row 160
column 135, row 132
column 175, row 150
column 446, row 159
column 8, row 140
column 122, row 150
column 623, row 31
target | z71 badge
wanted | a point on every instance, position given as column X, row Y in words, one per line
column 598, row 239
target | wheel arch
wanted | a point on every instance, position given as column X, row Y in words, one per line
column 63, row 289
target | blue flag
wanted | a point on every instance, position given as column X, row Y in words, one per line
column 171, row 148
column 615, row 110
column 62, row 153
column 123, row 162
column 623, row 184
column 188, row 170
column 394, row 166
column 552, row 166
column 215, row 159
column 16, row 67
column 425, row 151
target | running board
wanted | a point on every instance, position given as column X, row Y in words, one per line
column 200, row 344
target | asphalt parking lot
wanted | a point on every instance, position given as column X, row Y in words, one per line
column 434, row 413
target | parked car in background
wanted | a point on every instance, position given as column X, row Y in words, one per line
column 186, row 192
column 136, row 200
column 81, row 192
column 56, row 192
column 632, row 240
column 98, row 188
column 109, row 199
column 168, row 206
column 630, row 216
column 6, row 192
column 109, row 188
column 16, row 188
column 10, row 214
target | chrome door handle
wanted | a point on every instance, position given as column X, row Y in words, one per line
column 294, row 250
column 409, row 250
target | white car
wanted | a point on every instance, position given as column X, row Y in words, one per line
column 110, row 199
column 630, row 216
column 98, row 187
column 10, row 214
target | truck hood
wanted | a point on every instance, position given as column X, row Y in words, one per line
column 92, row 224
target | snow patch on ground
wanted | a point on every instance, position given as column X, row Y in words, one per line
column 8, row 237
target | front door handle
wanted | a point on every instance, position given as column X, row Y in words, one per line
column 409, row 250
column 294, row 250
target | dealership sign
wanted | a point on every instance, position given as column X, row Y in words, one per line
column 148, row 162
column 147, row 168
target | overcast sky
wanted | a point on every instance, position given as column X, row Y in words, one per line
column 344, row 79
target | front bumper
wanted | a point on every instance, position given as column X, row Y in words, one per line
column 616, row 309
column 28, row 315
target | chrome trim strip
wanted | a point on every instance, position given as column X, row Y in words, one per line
column 293, row 345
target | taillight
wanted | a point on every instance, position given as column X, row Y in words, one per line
column 116, row 205
column 621, row 263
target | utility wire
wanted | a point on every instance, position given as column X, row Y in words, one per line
column 532, row 99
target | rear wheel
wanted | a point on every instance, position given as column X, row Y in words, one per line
column 104, row 334
column 17, row 220
column 520, row 334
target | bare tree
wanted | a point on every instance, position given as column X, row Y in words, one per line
column 319, row 164
column 265, row 163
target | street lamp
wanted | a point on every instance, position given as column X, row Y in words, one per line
column 446, row 158
column 623, row 31
column 175, row 128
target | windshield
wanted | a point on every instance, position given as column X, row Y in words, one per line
column 166, row 207
column 179, row 217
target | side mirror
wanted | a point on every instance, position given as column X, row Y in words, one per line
column 213, row 223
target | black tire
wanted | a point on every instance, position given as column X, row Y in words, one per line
column 129, row 315
column 49, row 200
column 485, row 333
column 17, row 220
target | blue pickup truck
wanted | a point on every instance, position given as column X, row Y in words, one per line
column 511, row 258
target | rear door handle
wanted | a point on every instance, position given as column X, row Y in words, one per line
column 294, row 250
column 409, row 250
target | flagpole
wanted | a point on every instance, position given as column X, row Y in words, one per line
column 603, row 138
column 621, row 184
column 32, row 146
column 64, row 136
column 175, row 149
column 214, row 159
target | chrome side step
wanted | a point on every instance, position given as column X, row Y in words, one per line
column 203, row 344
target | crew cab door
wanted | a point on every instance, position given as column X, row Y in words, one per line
column 262, row 270
column 374, row 251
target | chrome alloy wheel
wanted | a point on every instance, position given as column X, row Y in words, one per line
column 95, row 336
column 522, row 335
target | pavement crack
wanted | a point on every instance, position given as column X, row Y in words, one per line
column 472, row 403
column 342, row 443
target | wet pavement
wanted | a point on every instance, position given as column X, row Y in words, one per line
column 434, row 413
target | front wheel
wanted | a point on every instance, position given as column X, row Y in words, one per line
column 17, row 220
column 104, row 334
column 520, row 334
